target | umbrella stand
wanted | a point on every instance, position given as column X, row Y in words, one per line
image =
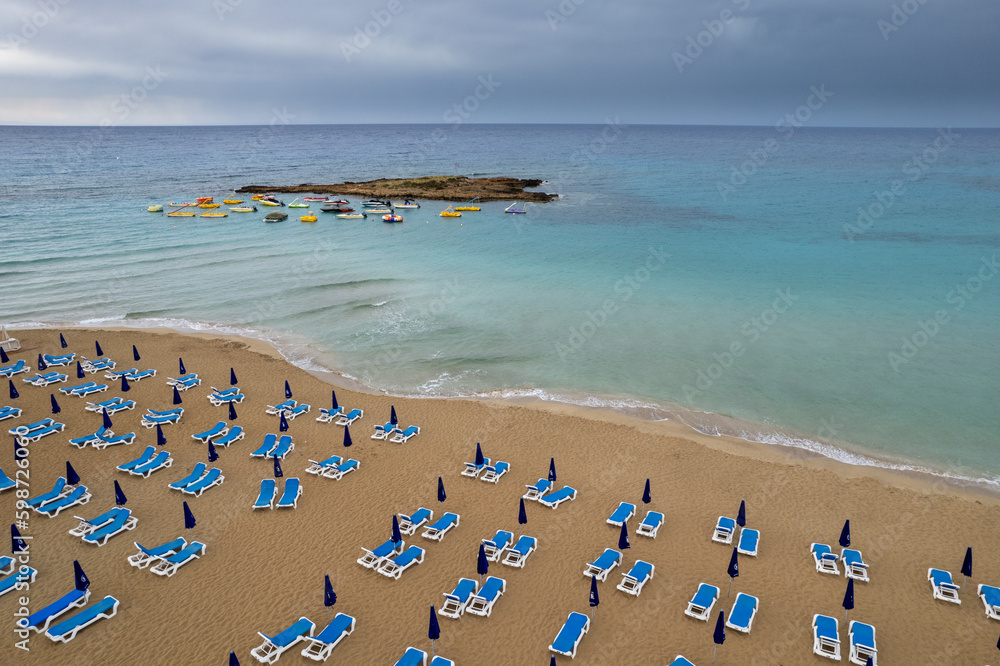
column 714, row 653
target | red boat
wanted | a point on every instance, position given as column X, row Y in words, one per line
column 314, row 199
column 335, row 201
column 202, row 200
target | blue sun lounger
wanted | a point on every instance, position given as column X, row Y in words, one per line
column 180, row 380
column 492, row 473
column 943, row 586
column 854, row 565
column 553, row 500
column 107, row 440
column 234, row 435
column 290, row 414
column 139, row 376
column 518, row 554
column 99, row 406
column 213, row 478
column 77, row 496
column 383, row 431
column 36, row 435
column 395, row 567
column 40, row 620
column 169, row 566
column 320, row 467
column 19, row 580
column 373, row 558
column 84, row 391
column 636, row 578
column 118, row 374
column 69, row 390
column 120, row 406
column 749, row 540
column 87, row 526
column 226, row 398
column 153, row 420
column 11, row 370
column 408, row 524
column 63, row 359
column 650, row 525
column 321, row 645
column 494, row 547
column 273, row 646
column 28, row 427
column 58, row 490
column 196, row 473
column 161, row 461
column 147, row 556
column 290, row 497
column 265, row 499
column 568, row 640
column 277, row 409
column 743, row 613
column 724, row 530
column 621, row 514
column 990, row 597
column 328, row 415
column 170, row 412
column 264, row 450
column 680, row 660
column 9, row 413
column 146, row 456
column 122, row 522
column 219, row 428
column 441, row 526
column 455, row 603
column 825, row 559
column 284, row 447
column 44, row 379
column 67, row 630
column 6, row 483
column 98, row 365
column 401, row 436
column 603, row 565
column 826, row 637
column 187, row 384
column 700, row 607
column 862, row 637
column 350, row 417
column 337, row 472
column 482, row 602
column 473, row 470
column 7, row 565
column 412, row 657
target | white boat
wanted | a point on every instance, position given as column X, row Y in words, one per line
column 514, row 209
column 406, row 204
column 375, row 202
column 379, row 211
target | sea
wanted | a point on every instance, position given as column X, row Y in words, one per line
column 829, row 290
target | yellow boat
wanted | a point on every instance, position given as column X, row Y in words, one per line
column 180, row 213
column 244, row 209
column 308, row 218
column 257, row 197
column 208, row 205
column 467, row 208
column 214, row 215
column 268, row 203
column 232, row 201
column 155, row 209
column 448, row 212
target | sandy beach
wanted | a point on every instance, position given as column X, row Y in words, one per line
column 262, row 570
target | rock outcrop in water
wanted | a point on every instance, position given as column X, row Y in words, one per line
column 443, row 188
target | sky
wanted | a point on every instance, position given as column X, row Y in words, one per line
column 930, row 63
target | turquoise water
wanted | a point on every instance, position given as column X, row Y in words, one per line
column 660, row 283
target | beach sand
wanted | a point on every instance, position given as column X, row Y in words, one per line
column 263, row 570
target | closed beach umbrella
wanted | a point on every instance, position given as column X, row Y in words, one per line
column 189, row 521
column 72, row 478
column 277, row 468
column 232, row 377
column 333, row 395
column 3, row 356
column 161, row 439
column 719, row 635
column 845, row 535
column 41, row 363
column 180, row 365
column 233, row 661
column 125, row 387
column 120, row 498
column 105, row 419
column 595, row 599
column 347, row 436
column 482, row 564
column 288, row 390
column 14, row 395
column 479, row 456
column 441, row 495
column 522, row 517
column 392, row 415
column 329, row 596
column 97, row 347
column 733, row 570
column 967, row 565
column 395, row 534
column 741, row 517
column 213, row 455
column 552, row 470
column 283, row 424
column 869, row 662
column 79, row 371
column 55, row 405
column 849, row 598
column 433, row 630
column 17, row 544
column 177, row 396
column 232, row 411
column 62, row 341
column 80, row 578
column 623, row 536
column 552, row 662
column 135, row 353
column 646, row 499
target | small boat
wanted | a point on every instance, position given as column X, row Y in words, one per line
column 202, row 200
column 208, row 205
column 214, row 214
column 392, row 218
column 335, row 201
column 514, row 209
column 308, row 218
column 448, row 212
column 156, row 209
column 468, row 206
column 315, row 199
column 406, row 204
column 232, row 202
column 244, row 209
column 268, row 202
column 298, row 205
column 375, row 203
column 181, row 213
column 351, row 216
column 181, row 205
column 276, row 216
column 257, row 197
column 335, row 208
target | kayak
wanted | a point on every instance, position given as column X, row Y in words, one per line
column 214, row 215
column 208, row 205
column 155, row 209
column 232, row 201
column 180, row 213
column 244, row 209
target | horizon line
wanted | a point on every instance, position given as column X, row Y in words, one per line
column 440, row 124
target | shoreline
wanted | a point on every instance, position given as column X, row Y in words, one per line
column 902, row 473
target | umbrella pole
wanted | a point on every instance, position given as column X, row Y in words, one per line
column 714, row 653
column 964, row 578
column 728, row 591
column 328, row 614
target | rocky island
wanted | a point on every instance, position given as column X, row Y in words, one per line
column 443, row 188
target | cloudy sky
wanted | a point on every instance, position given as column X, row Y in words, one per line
column 886, row 62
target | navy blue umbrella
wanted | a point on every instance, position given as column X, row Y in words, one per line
column 845, row 535
column 41, row 363
column 161, row 439
column 135, row 353
column 623, row 537
column 189, row 521
column 72, row 478
column 329, row 596
column 213, row 455
column 120, row 499
column 646, row 499
column 522, row 517
column 392, row 415
column 14, row 395
column 62, row 341
column 433, row 630
column 395, row 534
column 79, row 371
column 3, row 356
column 552, row 470
column 595, row 599
column 552, row 662
column 177, row 396
column 733, row 570
column 482, row 564
column 967, row 565
column 232, row 411
column 105, row 419
column 441, row 495
column 283, row 424
column 870, row 662
column 719, row 635
column 97, row 346
column 277, row 468
column 233, row 661
column 333, row 395
column 479, row 456
column 55, row 405
column 288, row 390
column 849, row 598
column 347, row 436
column 232, row 377
column 125, row 387
column 741, row 517
column 17, row 544
column 180, row 365
column 80, row 578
